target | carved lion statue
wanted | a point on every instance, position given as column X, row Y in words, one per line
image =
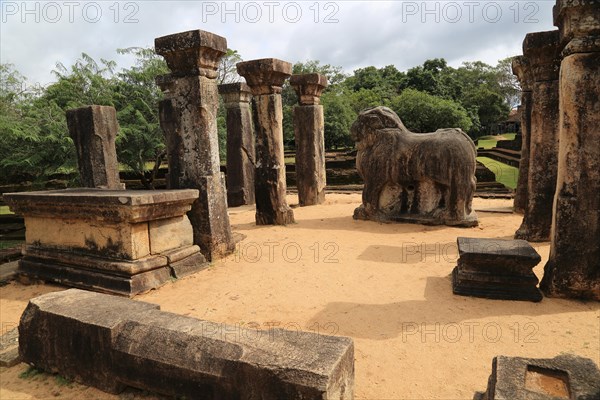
column 414, row 177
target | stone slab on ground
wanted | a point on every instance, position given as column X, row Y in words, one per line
column 9, row 348
column 111, row 342
column 496, row 269
column 563, row 377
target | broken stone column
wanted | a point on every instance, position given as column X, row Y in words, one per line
column 188, row 116
column 93, row 130
column 111, row 343
column 522, row 70
column 542, row 51
column 240, row 144
column 573, row 268
column 265, row 77
column 309, row 131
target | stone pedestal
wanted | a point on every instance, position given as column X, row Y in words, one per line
column 496, row 269
column 110, row 343
column 265, row 77
column 188, row 116
column 93, row 130
column 240, row 144
column 542, row 51
column 113, row 241
column 309, row 131
column 563, row 377
column 573, row 268
column 522, row 70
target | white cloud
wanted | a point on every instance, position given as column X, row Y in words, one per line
column 403, row 33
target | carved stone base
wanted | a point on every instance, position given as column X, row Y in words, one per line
column 433, row 219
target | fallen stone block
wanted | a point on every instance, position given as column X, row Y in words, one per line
column 496, row 269
column 9, row 348
column 111, row 342
column 563, row 377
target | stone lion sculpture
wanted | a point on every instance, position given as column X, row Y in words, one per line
column 425, row 178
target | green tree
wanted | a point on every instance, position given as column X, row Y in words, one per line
column 339, row 116
column 136, row 97
column 422, row 112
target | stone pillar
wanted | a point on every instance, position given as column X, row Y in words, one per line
column 542, row 52
column 522, row 70
column 188, row 116
column 93, row 130
column 265, row 77
column 240, row 144
column 309, row 130
column 573, row 268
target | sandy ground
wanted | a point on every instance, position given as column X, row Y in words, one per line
column 385, row 285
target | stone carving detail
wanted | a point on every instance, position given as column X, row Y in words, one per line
column 424, row 178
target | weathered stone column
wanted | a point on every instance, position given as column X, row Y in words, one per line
column 309, row 131
column 522, row 70
column 240, row 144
column 573, row 268
column 93, row 130
column 188, row 116
column 265, row 77
column 542, row 52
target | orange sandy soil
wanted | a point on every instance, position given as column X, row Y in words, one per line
column 385, row 285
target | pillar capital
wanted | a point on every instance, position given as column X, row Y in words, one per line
column 579, row 25
column 194, row 52
column 309, row 87
column 265, row 76
column 522, row 70
column 234, row 93
column 543, row 53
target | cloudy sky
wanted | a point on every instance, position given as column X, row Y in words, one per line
column 35, row 35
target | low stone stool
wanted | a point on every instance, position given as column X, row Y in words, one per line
column 496, row 269
column 566, row 377
column 114, row 241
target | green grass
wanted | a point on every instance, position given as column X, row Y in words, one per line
column 489, row 141
column 4, row 210
column 7, row 244
column 505, row 174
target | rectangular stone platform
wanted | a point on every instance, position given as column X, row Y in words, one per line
column 114, row 241
column 111, row 342
column 496, row 269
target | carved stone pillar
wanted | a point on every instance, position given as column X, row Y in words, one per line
column 573, row 268
column 542, row 52
column 188, row 116
column 522, row 70
column 309, row 131
column 240, row 144
column 265, row 77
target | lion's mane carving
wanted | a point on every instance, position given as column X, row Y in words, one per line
column 415, row 177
